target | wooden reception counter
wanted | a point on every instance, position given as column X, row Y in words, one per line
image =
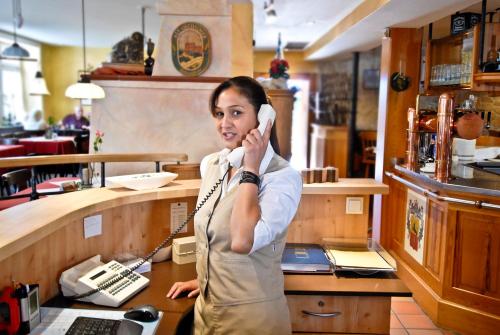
column 42, row 238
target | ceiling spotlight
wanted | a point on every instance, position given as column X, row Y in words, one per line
column 271, row 15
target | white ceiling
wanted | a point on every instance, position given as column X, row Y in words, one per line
column 108, row 21
column 298, row 20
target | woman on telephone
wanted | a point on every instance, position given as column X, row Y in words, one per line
column 241, row 229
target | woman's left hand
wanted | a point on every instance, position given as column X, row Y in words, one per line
column 255, row 146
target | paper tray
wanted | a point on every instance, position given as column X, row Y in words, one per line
column 371, row 246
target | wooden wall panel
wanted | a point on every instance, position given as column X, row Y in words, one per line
column 323, row 216
column 403, row 52
column 131, row 228
column 394, row 212
column 435, row 239
column 476, row 263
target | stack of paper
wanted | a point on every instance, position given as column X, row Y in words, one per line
column 358, row 260
column 298, row 257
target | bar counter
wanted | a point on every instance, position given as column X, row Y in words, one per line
column 465, row 179
column 457, row 280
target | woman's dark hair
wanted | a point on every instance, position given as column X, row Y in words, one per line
column 255, row 94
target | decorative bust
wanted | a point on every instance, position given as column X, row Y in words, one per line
column 149, row 62
column 129, row 50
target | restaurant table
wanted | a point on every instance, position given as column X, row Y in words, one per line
column 10, row 150
column 49, row 185
column 60, row 145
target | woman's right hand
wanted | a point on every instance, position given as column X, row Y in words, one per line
column 182, row 286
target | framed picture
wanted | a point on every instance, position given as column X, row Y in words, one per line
column 415, row 225
column 191, row 49
column 371, row 79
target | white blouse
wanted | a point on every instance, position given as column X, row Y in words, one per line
column 279, row 196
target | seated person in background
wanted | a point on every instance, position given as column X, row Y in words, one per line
column 34, row 121
column 76, row 120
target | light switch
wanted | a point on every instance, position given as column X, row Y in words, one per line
column 354, row 205
column 92, row 226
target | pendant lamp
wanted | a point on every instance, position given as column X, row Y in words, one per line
column 84, row 89
column 15, row 51
column 39, row 85
column 271, row 15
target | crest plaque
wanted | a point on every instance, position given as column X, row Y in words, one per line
column 191, row 49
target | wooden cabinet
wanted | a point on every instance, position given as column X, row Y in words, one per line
column 473, row 275
column 282, row 101
column 339, row 314
column 329, row 147
column 453, row 62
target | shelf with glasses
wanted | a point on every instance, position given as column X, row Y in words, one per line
column 449, row 62
column 453, row 62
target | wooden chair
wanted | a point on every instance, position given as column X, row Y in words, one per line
column 9, row 141
column 368, row 146
column 16, row 180
column 82, row 143
column 184, row 171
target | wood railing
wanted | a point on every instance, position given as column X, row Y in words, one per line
column 34, row 161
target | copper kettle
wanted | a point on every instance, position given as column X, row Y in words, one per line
column 469, row 126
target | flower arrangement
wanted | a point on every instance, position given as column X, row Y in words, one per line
column 98, row 140
column 93, row 174
column 278, row 69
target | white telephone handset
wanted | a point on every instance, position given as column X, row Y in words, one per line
column 265, row 114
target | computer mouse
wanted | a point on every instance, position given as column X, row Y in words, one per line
column 143, row 313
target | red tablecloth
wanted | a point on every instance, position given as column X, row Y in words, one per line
column 12, row 150
column 41, row 146
column 42, row 186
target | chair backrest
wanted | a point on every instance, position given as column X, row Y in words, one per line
column 9, row 141
column 82, row 143
column 368, row 140
column 18, row 179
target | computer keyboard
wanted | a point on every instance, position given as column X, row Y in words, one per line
column 96, row 326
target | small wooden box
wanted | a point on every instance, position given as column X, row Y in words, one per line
column 184, row 250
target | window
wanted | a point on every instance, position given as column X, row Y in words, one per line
column 15, row 80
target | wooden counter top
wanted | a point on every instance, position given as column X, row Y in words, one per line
column 346, row 284
column 347, row 186
column 23, row 225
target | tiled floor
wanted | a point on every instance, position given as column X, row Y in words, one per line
column 407, row 318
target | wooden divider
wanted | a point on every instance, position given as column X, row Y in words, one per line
column 324, row 217
column 132, row 228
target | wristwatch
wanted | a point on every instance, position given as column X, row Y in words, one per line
column 250, row 177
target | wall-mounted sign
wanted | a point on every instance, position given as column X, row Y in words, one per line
column 416, row 211
column 191, row 49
